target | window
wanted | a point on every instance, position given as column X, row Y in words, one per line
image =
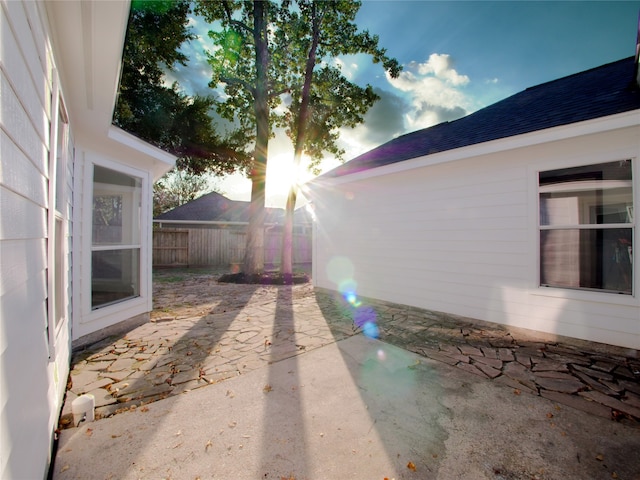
column 586, row 227
column 60, row 160
column 115, row 252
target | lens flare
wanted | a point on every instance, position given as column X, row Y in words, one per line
column 371, row 330
column 341, row 271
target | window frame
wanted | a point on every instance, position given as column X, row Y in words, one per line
column 129, row 307
column 59, row 155
column 130, row 230
column 586, row 292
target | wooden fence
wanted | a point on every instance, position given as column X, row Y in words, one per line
column 183, row 247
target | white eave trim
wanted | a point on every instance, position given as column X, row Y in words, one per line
column 166, row 160
column 598, row 125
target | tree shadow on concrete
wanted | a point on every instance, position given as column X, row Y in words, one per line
column 171, row 357
column 282, row 455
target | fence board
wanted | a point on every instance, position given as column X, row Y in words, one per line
column 219, row 246
column 171, row 247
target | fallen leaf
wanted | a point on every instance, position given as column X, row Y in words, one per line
column 89, row 432
column 267, row 388
column 549, row 415
column 516, row 391
column 614, row 475
column 411, row 466
column 600, row 457
column 209, row 444
column 65, row 468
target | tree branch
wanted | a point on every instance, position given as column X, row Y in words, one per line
column 232, row 21
column 240, row 82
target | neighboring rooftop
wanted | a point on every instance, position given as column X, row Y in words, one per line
column 602, row 91
column 216, row 207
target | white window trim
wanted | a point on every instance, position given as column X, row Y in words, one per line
column 54, row 297
column 130, row 307
column 535, row 288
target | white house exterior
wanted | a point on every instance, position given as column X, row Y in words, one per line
column 520, row 214
column 75, row 212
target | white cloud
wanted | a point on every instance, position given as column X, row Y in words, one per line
column 441, row 67
column 349, row 70
column 434, row 90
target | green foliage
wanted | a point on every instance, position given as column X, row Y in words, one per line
column 161, row 115
column 323, row 100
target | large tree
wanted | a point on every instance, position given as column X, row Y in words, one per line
column 264, row 51
column 322, row 99
column 241, row 62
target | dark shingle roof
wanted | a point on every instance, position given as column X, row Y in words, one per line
column 599, row 92
column 216, row 207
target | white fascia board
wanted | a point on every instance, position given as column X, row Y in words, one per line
column 573, row 130
column 88, row 39
column 161, row 161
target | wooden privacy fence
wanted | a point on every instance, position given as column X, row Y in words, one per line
column 182, row 247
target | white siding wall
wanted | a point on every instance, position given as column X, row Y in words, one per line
column 461, row 237
column 32, row 372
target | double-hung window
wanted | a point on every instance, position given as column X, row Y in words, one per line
column 586, row 227
column 116, row 237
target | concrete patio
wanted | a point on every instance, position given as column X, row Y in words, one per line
column 246, row 381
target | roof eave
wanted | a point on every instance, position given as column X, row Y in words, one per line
column 603, row 124
column 88, row 39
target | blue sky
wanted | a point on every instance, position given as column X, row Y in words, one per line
column 458, row 57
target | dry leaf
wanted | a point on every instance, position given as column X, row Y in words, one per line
column 89, row 432
column 411, row 466
column 209, row 444
column 267, row 388
column 516, row 391
column 600, row 457
column 65, row 468
column 614, row 475
column 144, row 409
column 549, row 415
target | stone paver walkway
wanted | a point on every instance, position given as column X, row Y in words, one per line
column 203, row 332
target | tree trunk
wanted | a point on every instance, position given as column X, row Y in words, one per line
column 254, row 251
column 286, row 263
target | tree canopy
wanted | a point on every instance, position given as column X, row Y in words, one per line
column 159, row 114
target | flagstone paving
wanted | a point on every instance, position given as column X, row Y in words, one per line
column 203, row 332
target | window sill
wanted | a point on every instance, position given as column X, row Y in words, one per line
column 587, row 296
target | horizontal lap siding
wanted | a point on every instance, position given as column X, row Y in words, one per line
column 29, row 404
column 445, row 237
column 461, row 238
column 442, row 233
